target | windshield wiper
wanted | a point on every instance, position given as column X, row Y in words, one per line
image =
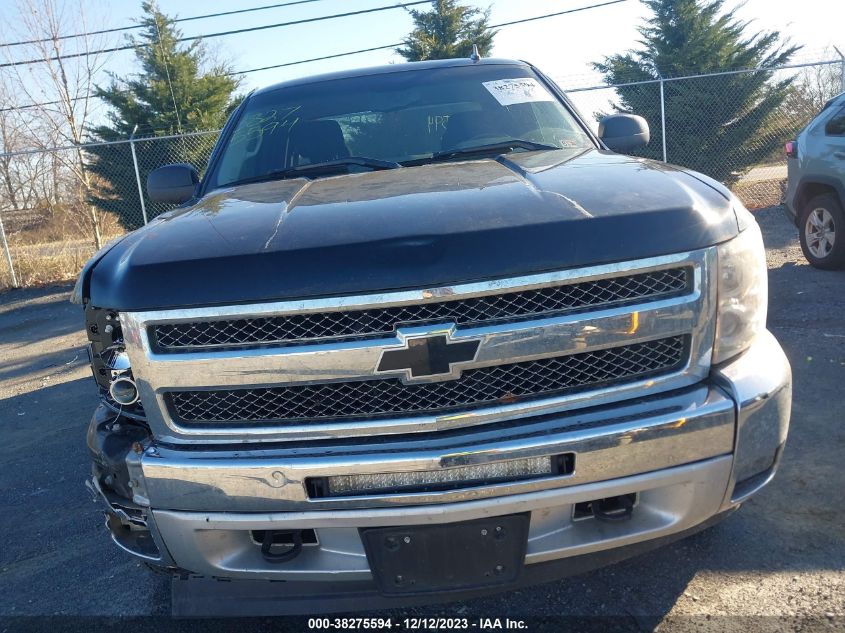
column 363, row 161
column 328, row 167
column 493, row 148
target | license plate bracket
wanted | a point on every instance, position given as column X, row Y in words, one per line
column 447, row 557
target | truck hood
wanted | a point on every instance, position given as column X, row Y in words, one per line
column 413, row 227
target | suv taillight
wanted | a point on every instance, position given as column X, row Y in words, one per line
column 791, row 149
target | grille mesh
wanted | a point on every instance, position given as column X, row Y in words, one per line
column 373, row 322
column 389, row 397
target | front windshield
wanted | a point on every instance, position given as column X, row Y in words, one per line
column 401, row 117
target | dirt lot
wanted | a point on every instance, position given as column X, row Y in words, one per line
column 782, row 555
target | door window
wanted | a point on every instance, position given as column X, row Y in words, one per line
column 836, row 124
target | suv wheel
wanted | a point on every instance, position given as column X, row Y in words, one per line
column 822, row 231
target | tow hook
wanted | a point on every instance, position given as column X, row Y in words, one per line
column 292, row 539
column 614, row 509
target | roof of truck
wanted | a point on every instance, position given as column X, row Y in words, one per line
column 391, row 68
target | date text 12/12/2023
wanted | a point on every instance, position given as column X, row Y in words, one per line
column 417, row 624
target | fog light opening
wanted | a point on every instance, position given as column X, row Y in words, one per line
column 609, row 509
column 124, row 391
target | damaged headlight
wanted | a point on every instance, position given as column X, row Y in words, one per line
column 742, row 289
column 110, row 362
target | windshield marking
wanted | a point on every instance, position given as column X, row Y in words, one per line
column 262, row 123
column 514, row 91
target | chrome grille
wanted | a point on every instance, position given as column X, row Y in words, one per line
column 549, row 342
column 292, row 329
column 502, row 384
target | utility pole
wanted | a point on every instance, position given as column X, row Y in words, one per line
column 137, row 173
column 662, row 116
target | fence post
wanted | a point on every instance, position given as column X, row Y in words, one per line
column 662, row 117
column 8, row 254
column 841, row 67
column 137, row 173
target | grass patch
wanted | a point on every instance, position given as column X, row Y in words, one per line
column 45, row 263
column 761, row 193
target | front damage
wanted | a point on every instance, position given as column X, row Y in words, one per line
column 740, row 416
column 116, row 445
column 599, row 473
column 117, row 438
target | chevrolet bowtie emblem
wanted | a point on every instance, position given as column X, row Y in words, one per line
column 432, row 356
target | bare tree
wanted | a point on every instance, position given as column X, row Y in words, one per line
column 10, row 142
column 64, row 85
column 812, row 88
column 25, row 179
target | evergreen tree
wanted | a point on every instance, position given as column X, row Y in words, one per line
column 718, row 125
column 448, row 31
column 178, row 90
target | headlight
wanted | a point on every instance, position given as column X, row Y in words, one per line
column 743, row 291
column 110, row 363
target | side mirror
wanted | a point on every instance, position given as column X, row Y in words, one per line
column 172, row 184
column 624, row 132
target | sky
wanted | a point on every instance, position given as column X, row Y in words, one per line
column 562, row 46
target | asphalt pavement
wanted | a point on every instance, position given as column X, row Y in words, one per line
column 782, row 555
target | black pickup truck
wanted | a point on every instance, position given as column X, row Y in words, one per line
column 418, row 334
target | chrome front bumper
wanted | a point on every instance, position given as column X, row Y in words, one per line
column 689, row 455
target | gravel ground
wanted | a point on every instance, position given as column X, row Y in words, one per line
column 782, row 555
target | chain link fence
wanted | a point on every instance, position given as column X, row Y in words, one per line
column 705, row 122
column 58, row 205
column 58, row 208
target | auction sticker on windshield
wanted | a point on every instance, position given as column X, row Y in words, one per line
column 512, row 91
